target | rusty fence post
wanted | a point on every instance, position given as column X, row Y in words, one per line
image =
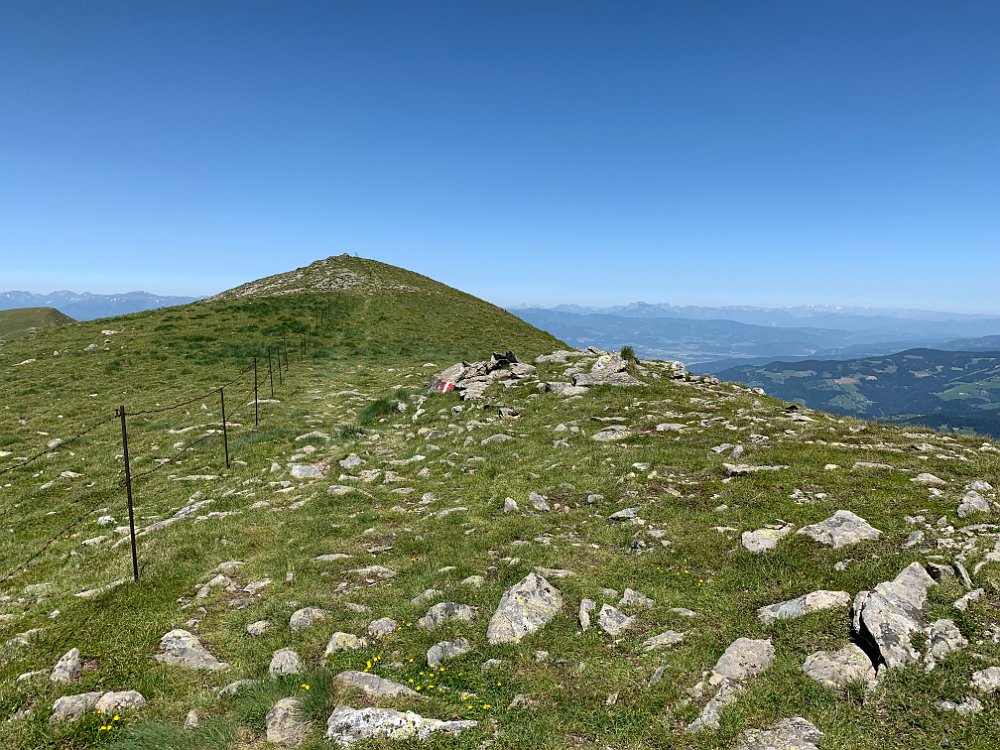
column 225, row 432
column 128, row 491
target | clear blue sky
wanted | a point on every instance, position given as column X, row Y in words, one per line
column 765, row 153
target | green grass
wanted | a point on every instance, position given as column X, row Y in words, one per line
column 364, row 354
column 26, row 320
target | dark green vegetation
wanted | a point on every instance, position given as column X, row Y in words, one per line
column 21, row 322
column 948, row 390
column 431, row 511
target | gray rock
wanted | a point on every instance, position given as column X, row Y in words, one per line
column 887, row 617
column 765, row 538
column 192, row 720
column 969, row 707
column 351, row 462
column 613, row 621
column 788, row 734
column 285, row 661
column 234, row 687
column 444, row 612
column 308, row 471
column 181, row 649
column 445, row 650
column 632, row 598
column 382, row 627
column 510, row 505
column 803, row 605
column 726, row 695
column 838, row 669
column 286, row 726
column 986, row 681
column 962, row 603
column 72, row 708
column 303, row 618
column 342, row 642
column 348, row 725
column 744, row 659
column 373, row 686
column 972, row 502
column 663, row 640
column 611, row 433
column 586, row 607
column 524, row 608
column 538, row 502
column 67, row 669
column 426, row 596
column 842, row 529
column 626, row 514
column 124, row 700
column 257, row 629
column 943, row 637
column 742, row 470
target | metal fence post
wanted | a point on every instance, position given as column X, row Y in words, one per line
column 225, row 432
column 270, row 372
column 128, row 491
column 256, row 408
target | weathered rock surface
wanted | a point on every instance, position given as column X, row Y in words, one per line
column 794, row 733
column 842, row 529
column 803, row 605
column 348, row 725
column 285, row 661
column 444, row 612
column 943, row 637
column 286, row 726
column 663, row 640
column 524, row 608
column 71, row 708
column 67, row 669
column 744, row 659
column 887, row 617
column 445, row 650
column 765, row 538
column 373, row 686
column 120, row 701
column 181, row 649
column 840, row 668
column 340, row 641
column 303, row 618
column 613, row 621
column 986, row 681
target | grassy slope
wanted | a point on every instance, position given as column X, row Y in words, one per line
column 25, row 320
column 371, row 345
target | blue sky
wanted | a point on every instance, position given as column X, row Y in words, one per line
column 768, row 153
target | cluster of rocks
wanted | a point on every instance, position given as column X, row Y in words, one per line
column 472, row 379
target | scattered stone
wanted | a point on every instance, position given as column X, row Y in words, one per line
column 382, row 627
column 744, row 659
column 633, row 598
column 842, row 529
column 788, row 734
column 943, row 637
column 72, row 708
column 538, row 502
column 742, row 470
column 180, row 648
column 586, row 607
column 285, row 661
column 348, row 725
column 113, row 702
column 838, row 669
column 285, row 724
column 963, row 603
column 803, row 605
column 986, row 681
column 969, row 707
column 611, row 433
column 373, row 686
column 444, row 612
column 257, row 629
column 446, row 650
column 663, row 640
column 627, row 514
column 342, row 642
column 67, row 669
column 972, row 502
column 524, row 608
column 765, row 538
column 305, row 617
column 613, row 621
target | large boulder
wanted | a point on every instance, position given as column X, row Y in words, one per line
column 524, row 608
column 373, row 686
column 886, row 617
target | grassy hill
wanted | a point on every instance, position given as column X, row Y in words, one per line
column 945, row 389
column 25, row 320
column 360, row 491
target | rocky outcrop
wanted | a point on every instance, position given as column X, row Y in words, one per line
column 886, row 618
column 349, row 725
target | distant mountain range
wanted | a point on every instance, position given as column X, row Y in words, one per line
column 710, row 339
column 943, row 389
column 87, row 306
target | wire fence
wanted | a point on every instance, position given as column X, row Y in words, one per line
column 277, row 365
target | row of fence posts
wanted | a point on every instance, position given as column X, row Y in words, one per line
column 225, row 438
